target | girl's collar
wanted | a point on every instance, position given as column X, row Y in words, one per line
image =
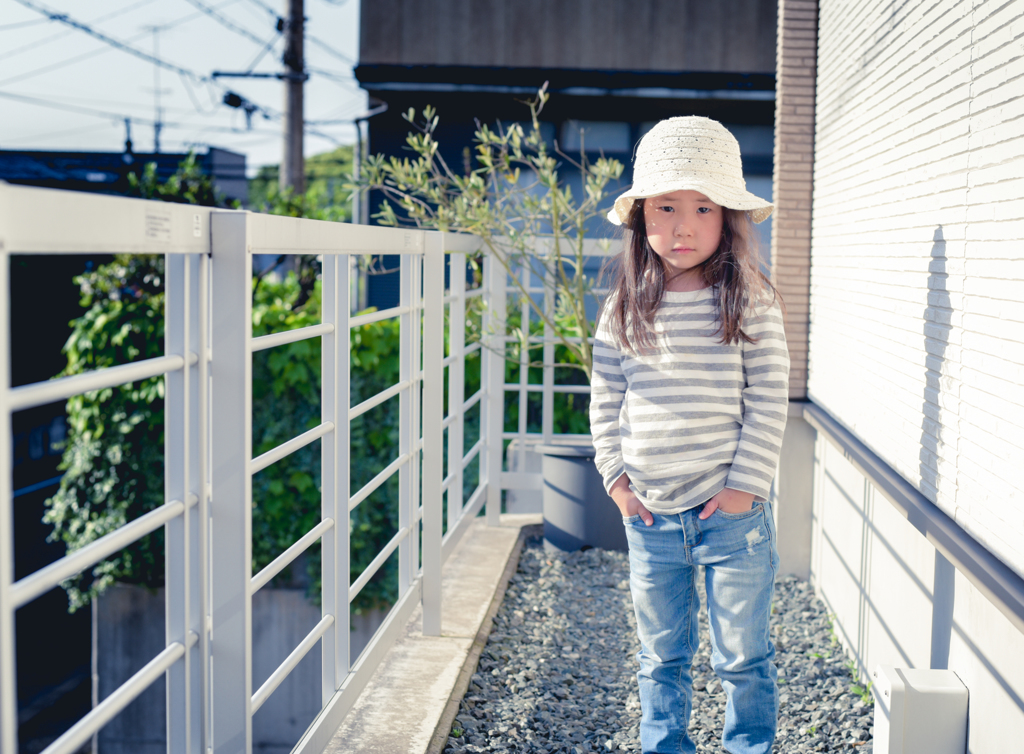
column 698, row 295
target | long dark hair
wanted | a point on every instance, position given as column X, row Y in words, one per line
column 733, row 272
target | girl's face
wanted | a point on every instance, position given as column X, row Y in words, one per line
column 684, row 228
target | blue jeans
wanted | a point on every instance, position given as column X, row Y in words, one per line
column 740, row 560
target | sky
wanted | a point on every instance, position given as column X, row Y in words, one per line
column 63, row 89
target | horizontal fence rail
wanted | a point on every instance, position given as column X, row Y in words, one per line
column 46, row 578
column 41, row 393
column 448, row 466
column 290, row 336
column 285, row 559
column 73, row 740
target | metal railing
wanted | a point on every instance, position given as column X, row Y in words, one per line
column 236, row 238
column 540, row 285
column 34, row 221
column 208, row 462
column 207, row 366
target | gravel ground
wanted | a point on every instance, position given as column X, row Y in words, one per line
column 558, row 671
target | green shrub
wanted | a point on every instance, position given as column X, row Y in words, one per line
column 113, row 458
column 113, row 454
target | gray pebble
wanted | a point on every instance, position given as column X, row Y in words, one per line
column 558, row 674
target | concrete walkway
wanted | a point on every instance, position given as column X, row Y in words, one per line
column 409, row 704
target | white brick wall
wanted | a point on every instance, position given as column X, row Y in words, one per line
column 917, row 268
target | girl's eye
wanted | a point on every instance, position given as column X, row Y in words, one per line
column 703, row 210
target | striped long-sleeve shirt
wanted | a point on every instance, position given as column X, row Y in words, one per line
column 693, row 415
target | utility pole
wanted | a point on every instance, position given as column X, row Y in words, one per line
column 360, row 203
column 293, row 172
column 158, row 119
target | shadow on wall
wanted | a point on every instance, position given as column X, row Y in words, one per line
column 937, row 327
column 871, row 563
column 855, row 627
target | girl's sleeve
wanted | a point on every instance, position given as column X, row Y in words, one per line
column 607, row 391
column 765, row 403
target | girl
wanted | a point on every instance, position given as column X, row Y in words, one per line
column 688, row 408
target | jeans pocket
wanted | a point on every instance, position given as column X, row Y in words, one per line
column 631, row 519
column 754, row 510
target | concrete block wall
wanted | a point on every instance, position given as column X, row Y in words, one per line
column 131, row 633
column 917, row 274
column 791, row 187
column 796, row 65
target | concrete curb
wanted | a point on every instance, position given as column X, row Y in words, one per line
column 410, row 702
column 444, row 725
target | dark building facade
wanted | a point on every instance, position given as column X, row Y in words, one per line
column 613, row 68
column 107, row 172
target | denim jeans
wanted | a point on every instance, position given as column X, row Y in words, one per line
column 740, row 560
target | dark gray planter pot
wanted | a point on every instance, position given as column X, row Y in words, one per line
column 577, row 510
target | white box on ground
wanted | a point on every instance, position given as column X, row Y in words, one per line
column 919, row 711
column 529, row 462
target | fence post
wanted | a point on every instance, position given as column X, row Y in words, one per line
column 231, row 688
column 414, row 429
column 177, row 485
column 200, row 576
column 407, row 566
column 329, row 492
column 433, row 435
column 493, row 368
column 547, row 411
column 335, row 474
column 8, row 690
column 456, row 382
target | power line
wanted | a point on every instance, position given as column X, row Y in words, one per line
column 195, row 100
column 22, row 24
column 121, row 117
column 72, row 108
column 62, row 34
column 115, row 43
column 260, row 55
column 226, row 22
column 122, row 11
column 123, row 47
column 332, row 75
column 101, row 102
column 85, row 55
column 265, row 7
column 318, row 42
column 326, row 47
column 55, row 134
column 54, row 66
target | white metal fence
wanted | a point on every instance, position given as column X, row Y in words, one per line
column 537, row 281
column 207, row 515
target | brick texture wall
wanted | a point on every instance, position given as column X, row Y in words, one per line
column 791, row 189
column 917, row 269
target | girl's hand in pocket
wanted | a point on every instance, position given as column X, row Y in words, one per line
column 627, row 502
column 633, row 507
column 730, row 501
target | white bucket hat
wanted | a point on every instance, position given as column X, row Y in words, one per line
column 690, row 153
